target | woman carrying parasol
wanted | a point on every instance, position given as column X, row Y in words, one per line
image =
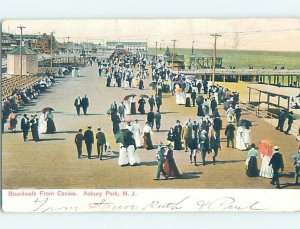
column 265, row 148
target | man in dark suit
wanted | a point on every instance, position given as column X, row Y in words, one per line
column 213, row 104
column 217, row 125
column 290, row 122
column 151, row 102
column 101, row 141
column 151, row 118
column 277, row 163
column 194, row 96
column 35, row 128
column 215, row 145
column 77, row 104
column 85, row 104
column 158, row 101
column 229, row 132
column 89, row 141
column 25, row 126
column 281, row 120
column 78, row 141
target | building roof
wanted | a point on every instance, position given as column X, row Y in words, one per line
column 126, row 43
column 25, row 51
column 275, row 90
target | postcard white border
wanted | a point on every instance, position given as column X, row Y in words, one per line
column 150, row 200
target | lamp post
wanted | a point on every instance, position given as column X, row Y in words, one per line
column 21, row 61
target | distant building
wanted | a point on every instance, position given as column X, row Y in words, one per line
column 40, row 43
column 132, row 46
column 8, row 42
column 29, row 61
column 178, row 62
column 200, row 62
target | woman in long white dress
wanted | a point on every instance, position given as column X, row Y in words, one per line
column 178, row 91
column 246, row 136
column 43, row 123
column 240, row 142
column 137, row 131
column 266, row 170
column 123, row 157
column 127, row 107
column 182, row 98
column 132, row 155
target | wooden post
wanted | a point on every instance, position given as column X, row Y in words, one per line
column 278, row 100
column 258, row 108
column 289, row 104
column 268, row 101
column 249, row 100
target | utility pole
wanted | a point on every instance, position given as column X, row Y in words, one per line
column 215, row 35
column 21, row 61
column 68, row 48
column 193, row 47
column 51, row 52
column 155, row 50
column 174, row 41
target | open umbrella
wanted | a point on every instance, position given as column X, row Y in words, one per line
column 265, row 147
column 144, row 96
column 47, row 109
column 129, row 96
column 153, row 83
column 245, row 123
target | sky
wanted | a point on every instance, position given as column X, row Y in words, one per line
column 238, row 34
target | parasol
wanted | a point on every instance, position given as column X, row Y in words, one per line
column 13, row 116
column 153, row 83
column 129, row 96
column 245, row 123
column 144, row 96
column 46, row 109
column 265, row 147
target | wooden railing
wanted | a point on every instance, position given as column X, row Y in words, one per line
column 268, row 116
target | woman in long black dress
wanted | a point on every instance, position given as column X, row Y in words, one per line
column 142, row 105
column 171, row 135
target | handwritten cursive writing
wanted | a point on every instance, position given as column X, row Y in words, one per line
column 227, row 203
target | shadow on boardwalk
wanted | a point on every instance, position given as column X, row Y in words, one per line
column 51, row 139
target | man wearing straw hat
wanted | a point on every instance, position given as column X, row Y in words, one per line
column 161, row 157
column 277, row 163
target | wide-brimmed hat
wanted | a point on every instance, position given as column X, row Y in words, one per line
column 276, row 148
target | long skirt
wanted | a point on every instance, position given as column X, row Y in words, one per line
column 50, row 126
column 171, row 168
column 200, row 111
column 266, row 170
column 252, row 170
column 123, row 157
column 136, row 137
column 147, row 141
column 177, row 143
column 133, row 108
column 132, row 155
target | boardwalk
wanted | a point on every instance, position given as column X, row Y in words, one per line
column 53, row 163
